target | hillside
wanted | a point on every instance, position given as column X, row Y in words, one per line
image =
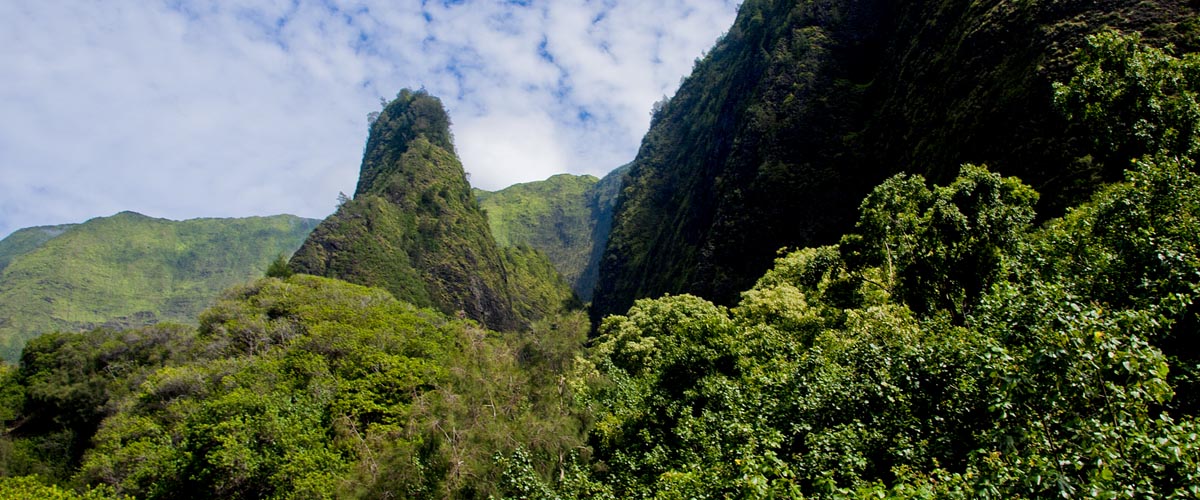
column 23, row 241
column 415, row 229
column 932, row 328
column 566, row 217
column 306, row 387
column 802, row 107
column 132, row 270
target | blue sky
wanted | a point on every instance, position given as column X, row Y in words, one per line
column 183, row 109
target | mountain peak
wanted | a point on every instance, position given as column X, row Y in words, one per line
column 413, row 115
column 415, row 229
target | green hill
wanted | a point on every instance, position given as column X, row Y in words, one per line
column 23, row 241
column 802, row 107
column 961, row 336
column 567, row 217
column 415, row 229
column 129, row 270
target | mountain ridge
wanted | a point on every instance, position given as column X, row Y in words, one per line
column 565, row 216
column 129, row 269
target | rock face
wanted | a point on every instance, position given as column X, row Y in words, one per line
column 803, row 106
column 414, row 227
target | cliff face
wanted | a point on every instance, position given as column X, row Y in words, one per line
column 567, row 217
column 804, row 105
column 414, row 227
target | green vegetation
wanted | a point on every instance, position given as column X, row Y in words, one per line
column 410, row 116
column 951, row 342
column 28, row 487
column 131, row 270
column 414, row 228
column 552, row 216
column 1132, row 100
column 566, row 217
column 305, row 387
column 1060, row 365
column 803, row 107
column 23, row 241
column 873, row 369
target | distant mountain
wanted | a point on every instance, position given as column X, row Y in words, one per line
column 130, row 270
column 802, row 107
column 415, row 229
column 567, row 217
column 23, row 241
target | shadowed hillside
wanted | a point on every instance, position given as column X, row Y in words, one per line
column 802, row 107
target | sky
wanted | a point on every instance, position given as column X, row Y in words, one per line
column 181, row 109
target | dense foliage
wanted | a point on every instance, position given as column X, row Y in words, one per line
column 412, row 115
column 567, row 217
column 131, row 270
column 804, row 106
column 305, row 387
column 415, row 229
column 949, row 344
column 945, row 347
column 1065, row 367
column 1131, row 100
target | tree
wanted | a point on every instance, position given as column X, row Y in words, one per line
column 279, row 268
column 1133, row 99
column 941, row 249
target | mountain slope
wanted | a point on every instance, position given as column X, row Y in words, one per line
column 23, row 241
column 803, row 106
column 130, row 270
column 551, row 215
column 414, row 228
column 567, row 217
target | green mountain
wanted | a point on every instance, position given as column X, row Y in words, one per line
column 567, row 217
column 415, row 229
column 129, row 270
column 802, row 107
column 23, row 241
column 951, row 342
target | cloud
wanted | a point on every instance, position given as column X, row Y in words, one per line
column 185, row 109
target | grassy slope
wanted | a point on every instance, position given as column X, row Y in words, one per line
column 130, row 269
column 23, row 241
column 551, row 215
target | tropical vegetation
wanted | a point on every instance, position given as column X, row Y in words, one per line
column 962, row 337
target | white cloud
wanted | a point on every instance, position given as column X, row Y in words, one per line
column 185, row 109
column 506, row 148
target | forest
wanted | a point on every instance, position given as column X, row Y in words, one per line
column 962, row 338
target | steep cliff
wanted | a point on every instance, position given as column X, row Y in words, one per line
column 804, row 105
